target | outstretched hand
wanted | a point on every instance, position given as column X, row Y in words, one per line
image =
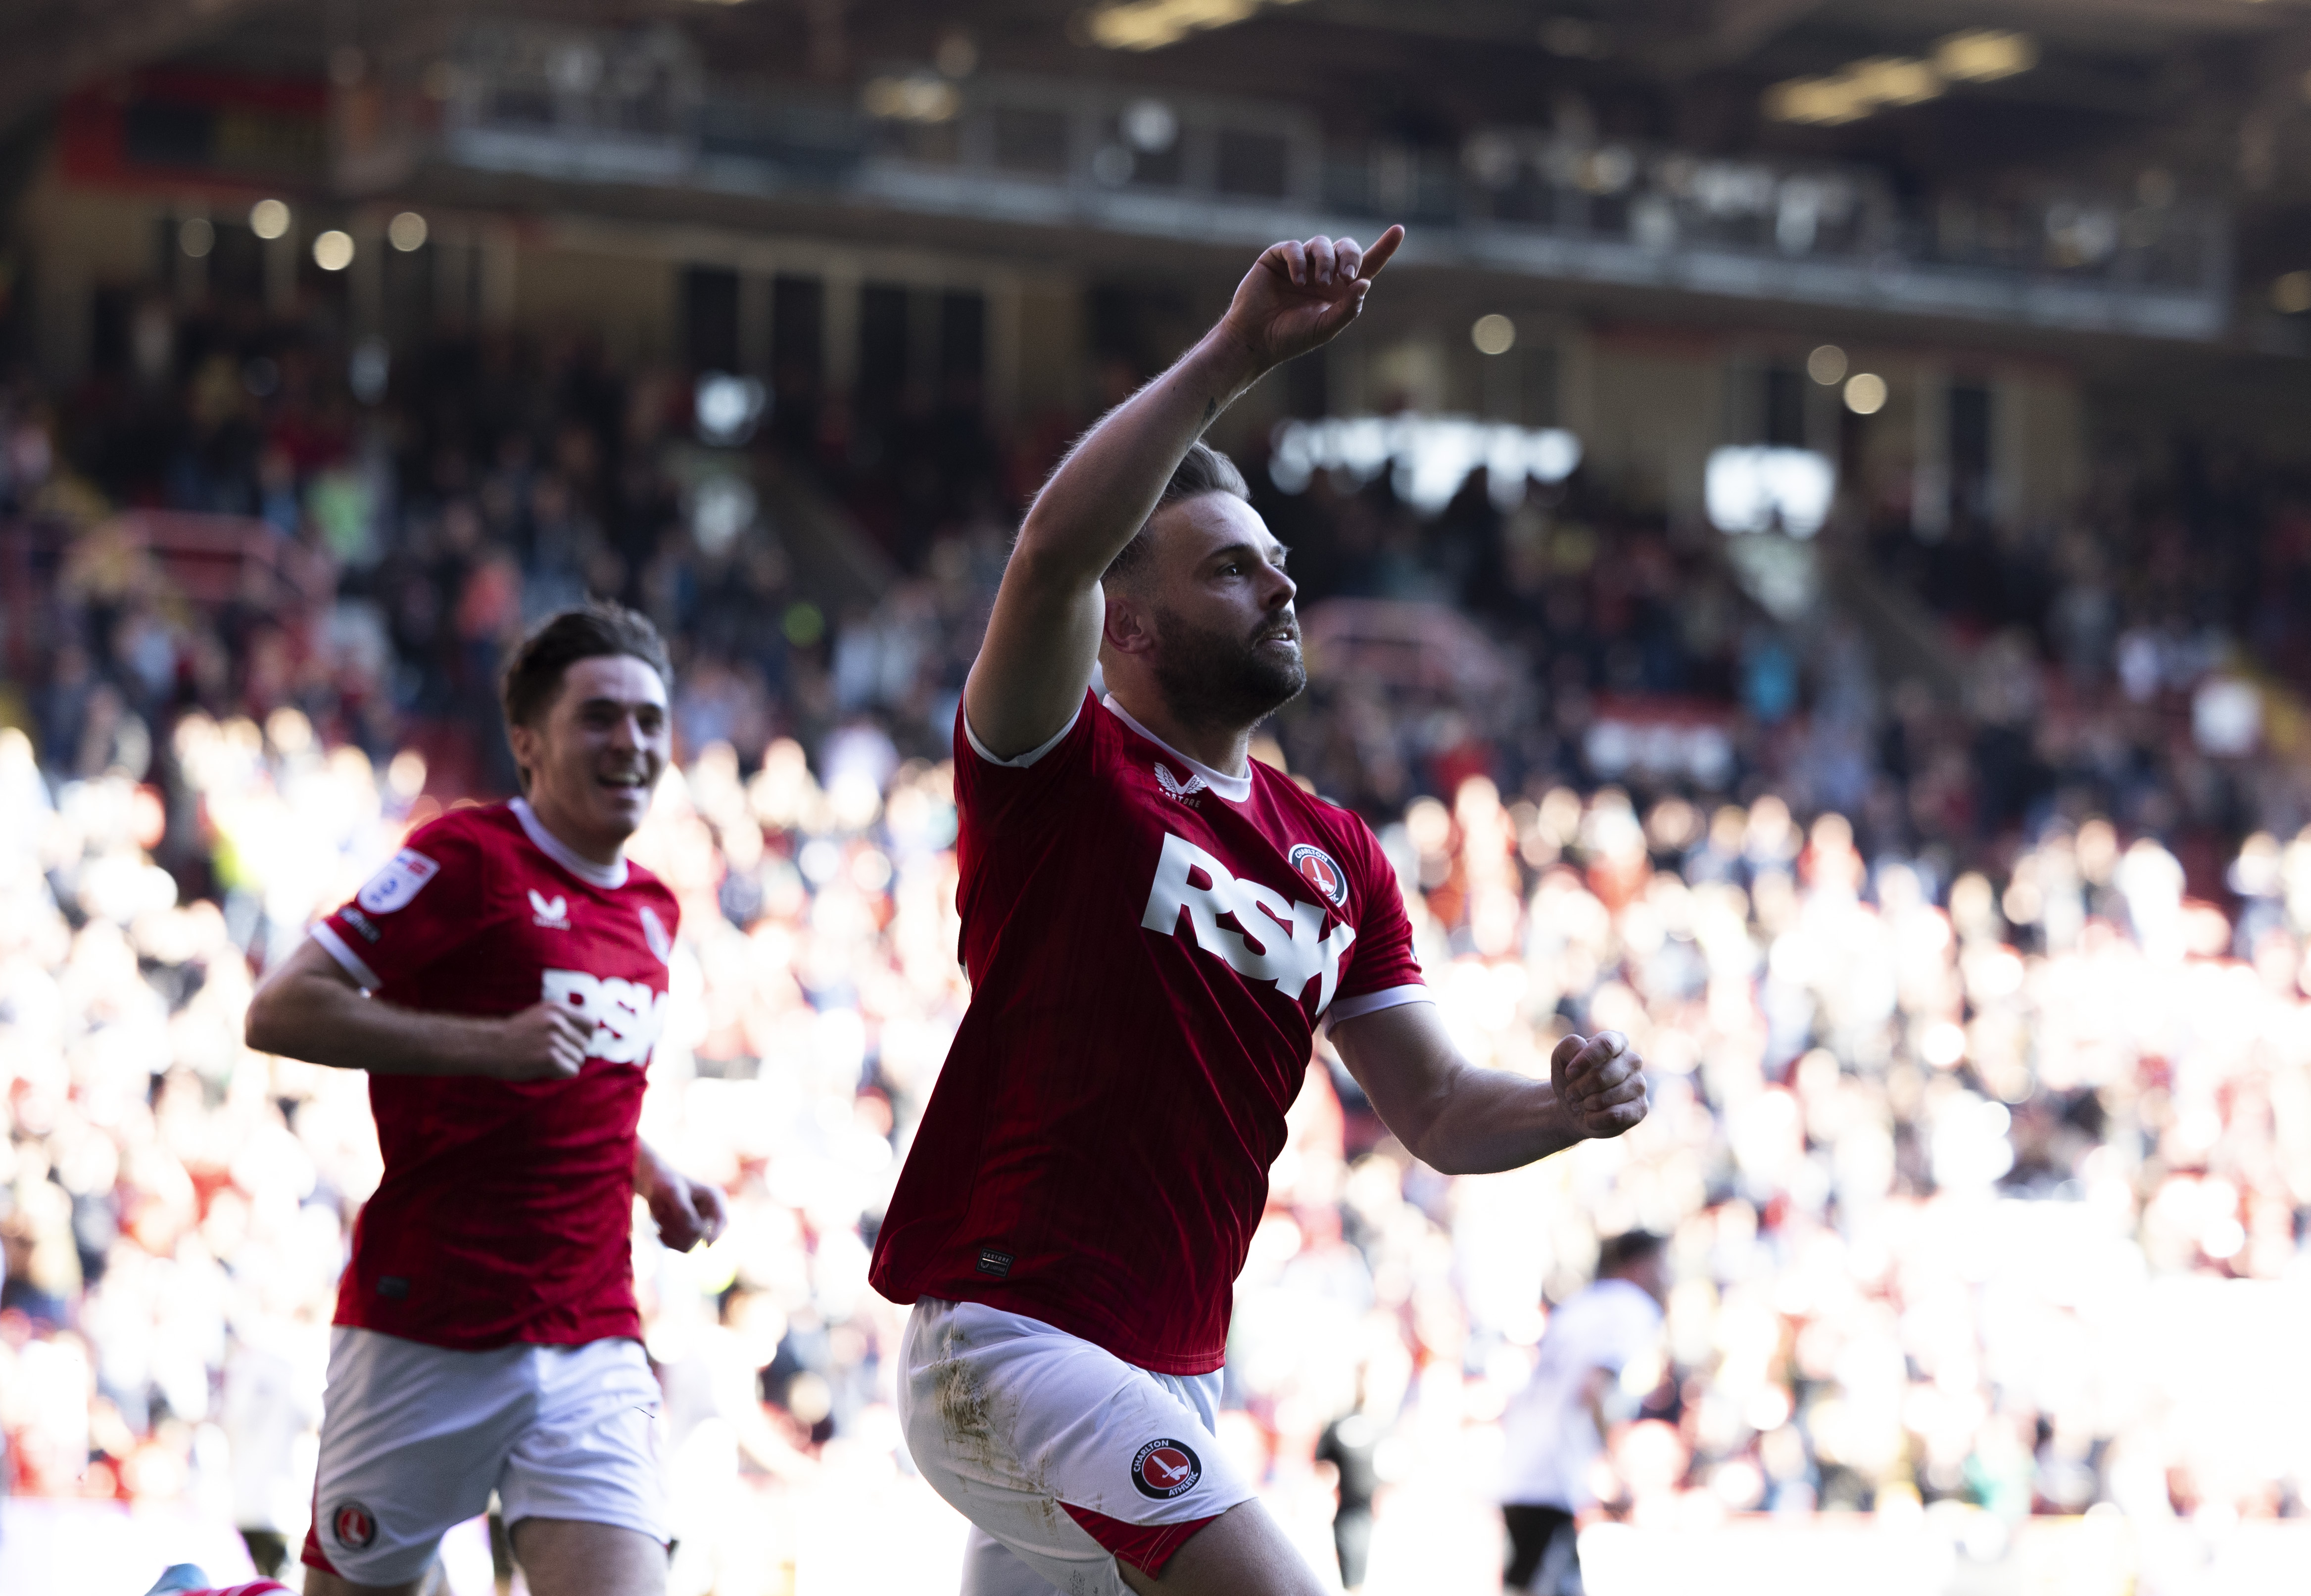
column 1298, row 296
column 1599, row 1083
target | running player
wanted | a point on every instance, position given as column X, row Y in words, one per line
column 1154, row 926
column 503, row 980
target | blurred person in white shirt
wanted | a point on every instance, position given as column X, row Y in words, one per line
column 1556, row 1428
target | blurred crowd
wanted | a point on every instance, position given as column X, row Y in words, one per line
column 823, row 563
column 1947, row 1172
column 1975, row 1012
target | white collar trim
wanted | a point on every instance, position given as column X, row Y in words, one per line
column 1236, row 789
column 609, row 878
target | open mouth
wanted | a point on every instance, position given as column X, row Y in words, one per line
column 626, row 781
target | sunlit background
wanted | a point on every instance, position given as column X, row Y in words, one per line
column 1805, row 560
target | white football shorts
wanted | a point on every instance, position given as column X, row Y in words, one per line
column 414, row 1438
column 1123, row 1460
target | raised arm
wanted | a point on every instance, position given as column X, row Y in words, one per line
column 1464, row 1120
column 308, row 1007
column 1043, row 636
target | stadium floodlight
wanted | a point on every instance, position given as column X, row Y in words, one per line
column 1859, row 88
column 195, row 236
column 721, row 510
column 921, row 97
column 370, row 368
column 1427, row 457
column 728, row 408
column 1985, row 55
column 1865, row 393
column 1757, row 488
column 1150, row 126
column 1826, row 365
column 1493, row 335
column 406, row 231
column 268, row 218
column 2291, row 293
column 332, row 251
column 1152, row 24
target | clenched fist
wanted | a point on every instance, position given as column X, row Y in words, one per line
column 546, row 1041
column 687, row 1211
column 1599, row 1083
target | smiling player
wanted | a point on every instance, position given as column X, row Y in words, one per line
column 503, row 982
column 1154, row 926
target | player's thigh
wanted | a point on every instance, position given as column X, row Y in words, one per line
column 571, row 1558
column 413, row 1438
column 1071, row 1458
column 1244, row 1552
column 990, row 1568
column 589, row 1458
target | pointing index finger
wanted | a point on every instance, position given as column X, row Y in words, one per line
column 1378, row 255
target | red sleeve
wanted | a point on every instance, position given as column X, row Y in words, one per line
column 424, row 905
column 996, row 794
column 1382, row 970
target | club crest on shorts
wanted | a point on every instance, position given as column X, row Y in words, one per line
column 1164, row 1469
column 401, row 880
column 353, row 1525
column 1317, row 868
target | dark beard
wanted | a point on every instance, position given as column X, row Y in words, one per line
column 1214, row 679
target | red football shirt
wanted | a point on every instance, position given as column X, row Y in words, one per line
column 1152, row 945
column 507, row 1207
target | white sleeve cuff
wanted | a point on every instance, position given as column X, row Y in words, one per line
column 1348, row 1008
column 351, row 962
column 1023, row 761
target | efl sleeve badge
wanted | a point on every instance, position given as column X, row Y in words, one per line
column 401, row 880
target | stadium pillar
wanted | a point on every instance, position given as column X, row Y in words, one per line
column 1003, row 331
column 843, row 281
column 281, row 271
column 1929, row 482
column 754, row 323
column 496, row 249
column 368, row 271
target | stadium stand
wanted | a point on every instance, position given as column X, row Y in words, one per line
column 1946, row 852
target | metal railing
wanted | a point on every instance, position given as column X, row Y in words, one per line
column 643, row 108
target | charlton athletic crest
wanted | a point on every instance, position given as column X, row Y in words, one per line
column 1165, row 1469
column 353, row 1526
column 1318, row 871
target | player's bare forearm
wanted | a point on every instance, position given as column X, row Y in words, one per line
column 1487, row 1121
column 310, row 1008
column 1462, row 1120
column 1106, row 488
column 1044, row 635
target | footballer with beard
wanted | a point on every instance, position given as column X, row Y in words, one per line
column 1155, row 926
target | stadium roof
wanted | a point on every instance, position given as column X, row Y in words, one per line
column 2202, row 105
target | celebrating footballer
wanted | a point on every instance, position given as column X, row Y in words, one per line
column 1154, row 926
column 503, row 982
